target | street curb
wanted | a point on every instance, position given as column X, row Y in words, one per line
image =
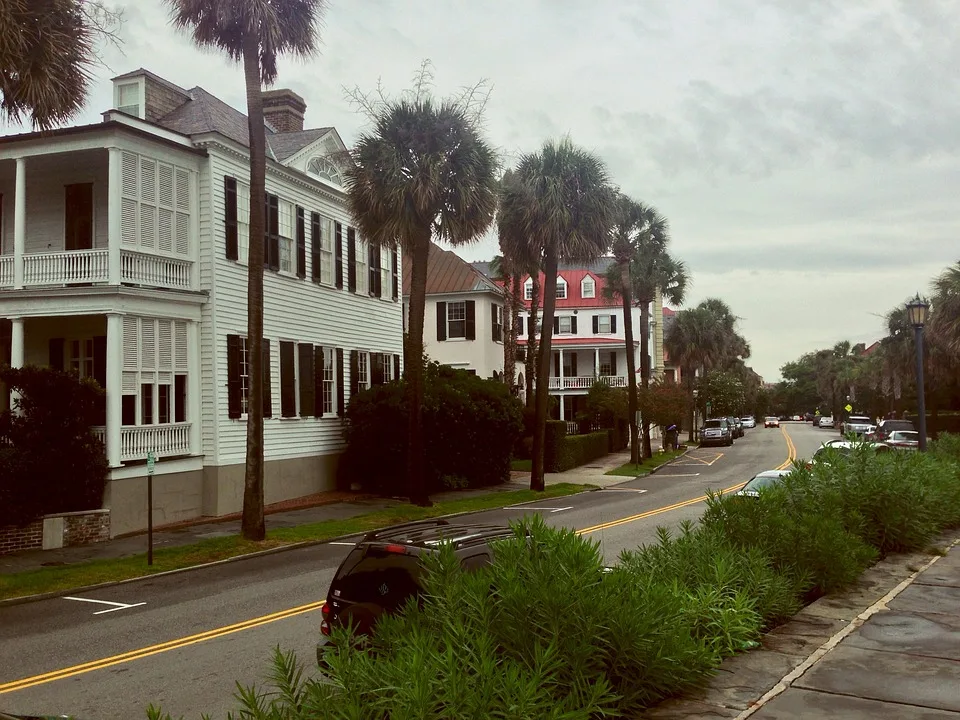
column 670, row 462
column 236, row 558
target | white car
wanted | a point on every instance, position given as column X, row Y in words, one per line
column 748, row 422
column 844, row 448
column 772, row 421
column 825, row 422
column 761, row 480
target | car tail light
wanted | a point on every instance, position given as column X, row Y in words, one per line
column 399, row 549
column 325, row 628
column 325, row 610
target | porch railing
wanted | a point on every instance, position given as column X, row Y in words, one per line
column 72, row 267
column 167, row 440
column 585, row 382
column 154, row 270
column 6, row 270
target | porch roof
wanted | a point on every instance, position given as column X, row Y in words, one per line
column 582, row 342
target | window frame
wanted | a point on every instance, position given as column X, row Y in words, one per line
column 565, row 320
column 528, row 289
column 460, row 304
column 561, row 283
column 361, row 267
column 600, row 322
column 118, row 89
column 329, row 381
column 593, row 287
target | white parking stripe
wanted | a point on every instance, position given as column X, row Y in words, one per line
column 116, row 605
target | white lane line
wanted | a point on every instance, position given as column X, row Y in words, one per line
column 547, row 509
column 116, row 605
column 678, row 474
column 618, row 489
column 348, row 544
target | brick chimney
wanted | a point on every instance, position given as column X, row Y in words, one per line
column 284, row 110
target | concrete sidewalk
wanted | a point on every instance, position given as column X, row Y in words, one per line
column 889, row 648
column 326, row 506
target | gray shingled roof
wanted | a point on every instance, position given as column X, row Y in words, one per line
column 285, row 145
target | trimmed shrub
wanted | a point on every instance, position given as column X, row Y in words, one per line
column 556, row 432
column 577, row 450
column 50, row 462
column 471, row 426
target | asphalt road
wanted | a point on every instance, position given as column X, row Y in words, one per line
column 182, row 641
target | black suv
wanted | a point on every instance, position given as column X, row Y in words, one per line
column 383, row 571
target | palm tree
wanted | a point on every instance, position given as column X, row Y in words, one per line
column 254, row 33
column 502, row 271
column 533, row 327
column 47, row 52
column 694, row 343
column 564, row 205
column 945, row 319
column 424, row 171
column 618, row 284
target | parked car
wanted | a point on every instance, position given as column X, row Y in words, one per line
column 903, row 439
column 843, row 448
column 858, row 425
column 769, row 422
column 737, row 426
column 810, row 417
column 886, row 427
column 749, row 421
column 761, row 480
column 716, row 431
column 384, row 569
column 826, row 421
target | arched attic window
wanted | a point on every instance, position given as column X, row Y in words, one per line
column 322, row 168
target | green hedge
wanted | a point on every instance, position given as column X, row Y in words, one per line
column 471, row 426
column 564, row 452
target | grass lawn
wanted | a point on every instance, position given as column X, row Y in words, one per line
column 92, row 572
column 631, row 470
column 521, row 465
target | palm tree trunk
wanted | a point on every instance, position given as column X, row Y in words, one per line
column 645, row 367
column 252, row 525
column 416, row 482
column 509, row 334
column 625, row 294
column 688, row 376
column 532, row 355
column 543, row 372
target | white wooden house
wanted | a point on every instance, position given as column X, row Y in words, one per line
column 123, row 258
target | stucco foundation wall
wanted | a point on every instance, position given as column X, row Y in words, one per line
column 176, row 496
column 282, row 479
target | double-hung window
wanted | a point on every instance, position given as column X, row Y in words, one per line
column 456, row 319
column 363, row 281
column 329, row 380
column 604, row 323
column 565, row 324
column 322, row 242
column 528, row 290
column 244, row 377
column 363, row 370
column 496, row 317
column 287, row 220
column 386, row 272
column 561, row 289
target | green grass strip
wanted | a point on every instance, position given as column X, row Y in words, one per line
column 93, row 572
column 644, row 468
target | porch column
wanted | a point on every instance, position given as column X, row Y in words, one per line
column 113, row 215
column 560, row 375
column 193, row 385
column 114, row 386
column 19, row 225
column 596, row 362
column 16, row 351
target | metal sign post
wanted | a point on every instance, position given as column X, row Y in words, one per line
column 151, row 463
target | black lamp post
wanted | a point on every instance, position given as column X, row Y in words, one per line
column 917, row 314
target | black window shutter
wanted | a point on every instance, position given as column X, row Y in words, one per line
column 230, row 224
column 233, row 376
column 493, row 322
column 556, row 325
column 288, row 388
column 56, row 353
column 520, row 332
column 613, row 363
column 396, row 367
column 307, row 380
column 354, row 373
column 267, row 389
column 315, row 242
column 373, row 270
column 376, row 368
column 100, row 360
column 556, row 364
column 341, row 405
column 573, row 324
column 613, row 323
column 441, row 321
column 573, row 365
column 318, row 381
column 471, row 319
column 301, row 244
column 396, row 275
column 596, row 324
column 271, row 238
column 351, row 260
column 338, row 253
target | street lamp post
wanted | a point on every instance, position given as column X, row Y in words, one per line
column 917, row 314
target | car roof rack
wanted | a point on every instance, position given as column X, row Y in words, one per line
column 412, row 525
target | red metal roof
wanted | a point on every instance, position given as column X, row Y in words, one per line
column 574, row 299
column 581, row 341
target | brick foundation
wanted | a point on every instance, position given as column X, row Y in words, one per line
column 14, row 539
column 57, row 531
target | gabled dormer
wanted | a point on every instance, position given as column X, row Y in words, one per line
column 144, row 95
column 561, row 288
column 588, row 287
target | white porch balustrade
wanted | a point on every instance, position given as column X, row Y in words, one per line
column 585, row 382
column 66, row 268
column 154, row 270
column 167, row 440
column 6, row 270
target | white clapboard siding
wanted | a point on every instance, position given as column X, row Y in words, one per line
column 294, row 310
column 46, row 179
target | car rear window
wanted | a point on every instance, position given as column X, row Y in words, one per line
column 714, row 423
column 859, row 420
column 761, row 481
column 373, row 575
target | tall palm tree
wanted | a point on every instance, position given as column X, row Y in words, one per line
column 47, row 53
column 564, row 205
column 254, row 33
column 424, row 171
column 945, row 319
column 618, row 284
column 694, row 343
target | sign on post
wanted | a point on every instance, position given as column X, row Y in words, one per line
column 151, row 464
column 848, row 407
column 709, row 405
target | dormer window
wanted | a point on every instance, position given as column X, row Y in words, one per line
column 561, row 289
column 322, row 168
column 528, row 289
column 129, row 98
column 588, row 287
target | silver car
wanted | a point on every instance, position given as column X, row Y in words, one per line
column 761, row 480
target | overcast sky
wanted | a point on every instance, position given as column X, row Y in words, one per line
column 806, row 152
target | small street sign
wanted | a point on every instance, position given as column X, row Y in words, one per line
column 151, row 462
column 848, row 407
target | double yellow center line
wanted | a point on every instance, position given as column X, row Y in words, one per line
column 64, row 673
column 163, row 647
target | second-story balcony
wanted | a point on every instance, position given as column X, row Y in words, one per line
column 104, row 216
column 585, row 382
